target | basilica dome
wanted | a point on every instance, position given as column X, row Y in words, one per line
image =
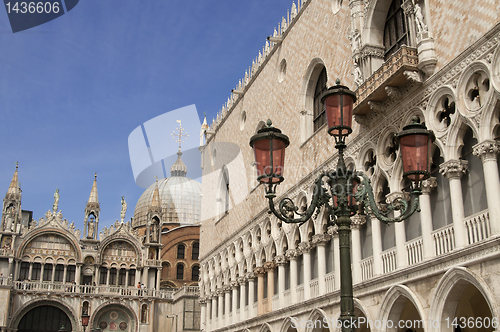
column 180, row 198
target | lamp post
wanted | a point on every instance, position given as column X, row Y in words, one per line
column 85, row 320
column 342, row 192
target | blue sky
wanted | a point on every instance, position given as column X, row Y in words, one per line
column 73, row 89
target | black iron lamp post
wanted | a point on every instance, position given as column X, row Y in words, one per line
column 342, row 192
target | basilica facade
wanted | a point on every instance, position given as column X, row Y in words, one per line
column 437, row 60
column 136, row 275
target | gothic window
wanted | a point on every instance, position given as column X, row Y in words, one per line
column 366, row 239
column 224, row 191
column 195, row 275
column 70, row 273
column 319, row 114
column 395, row 30
column 181, row 249
column 59, row 273
column 180, row 271
column 196, row 251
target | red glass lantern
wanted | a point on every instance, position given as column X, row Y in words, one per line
column 85, row 319
column 269, row 146
column 339, row 101
column 415, row 142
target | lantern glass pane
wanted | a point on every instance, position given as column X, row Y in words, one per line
column 339, row 116
column 262, row 150
column 414, row 152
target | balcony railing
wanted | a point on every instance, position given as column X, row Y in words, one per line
column 478, row 227
column 366, row 268
column 330, row 282
column 444, row 239
column 6, row 252
column 314, row 286
column 300, row 293
column 389, row 260
column 391, row 73
column 414, row 250
column 60, row 288
column 153, row 262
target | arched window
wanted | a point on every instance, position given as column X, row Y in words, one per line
column 181, row 249
column 195, row 275
column 196, row 251
column 25, row 268
column 59, row 272
column 224, row 191
column 180, row 271
column 319, row 114
column 395, row 30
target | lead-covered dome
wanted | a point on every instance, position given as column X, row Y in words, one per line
column 180, row 198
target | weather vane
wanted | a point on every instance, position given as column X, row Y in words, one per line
column 180, row 135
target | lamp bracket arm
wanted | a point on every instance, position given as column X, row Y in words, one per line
column 365, row 194
column 287, row 209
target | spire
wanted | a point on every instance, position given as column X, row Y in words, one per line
column 93, row 199
column 155, row 201
column 14, row 184
column 179, row 168
column 204, row 125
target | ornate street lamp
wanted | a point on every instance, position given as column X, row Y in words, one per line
column 342, row 192
column 85, row 320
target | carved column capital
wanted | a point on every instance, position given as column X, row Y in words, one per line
column 234, row 284
column 293, row 253
column 487, row 150
column 321, row 239
column 227, row 289
column 407, row 7
column 280, row 260
column 259, row 270
column 203, row 300
column 242, row 280
column 333, row 230
column 305, row 247
column 453, row 169
column 357, row 221
column 269, row 265
column 250, row 276
column 428, row 185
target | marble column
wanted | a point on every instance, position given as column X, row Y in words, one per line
column 306, row 247
column 399, row 231
column 269, row 266
column 78, row 273
column 41, row 272
column 453, row 170
column 280, row 262
column 292, row 255
column 220, row 309
column 251, row 296
column 242, row 281
column 158, row 278
column 126, row 277
column 53, row 273
column 30, row 277
column 64, row 273
column 356, row 222
column 107, row 276
column 259, row 272
column 488, row 151
column 227, row 305
column 376, row 245
column 426, row 217
column 234, row 302
column 320, row 240
column 203, row 318
column 213, row 321
column 333, row 231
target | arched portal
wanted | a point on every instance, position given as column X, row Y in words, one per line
column 45, row 318
column 115, row 317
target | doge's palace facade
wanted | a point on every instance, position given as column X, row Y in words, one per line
column 438, row 60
